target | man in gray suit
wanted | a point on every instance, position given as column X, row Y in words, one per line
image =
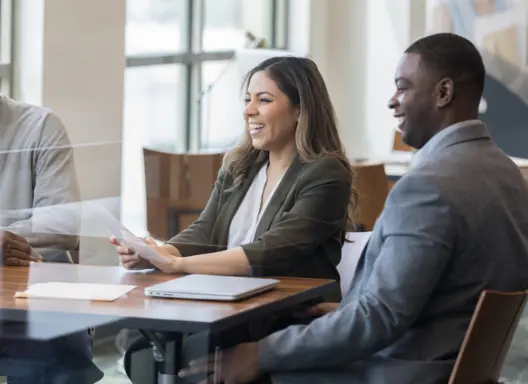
column 455, row 224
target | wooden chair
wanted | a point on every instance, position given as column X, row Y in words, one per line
column 178, row 186
column 398, row 144
column 488, row 338
column 372, row 187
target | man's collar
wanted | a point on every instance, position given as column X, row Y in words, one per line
column 436, row 141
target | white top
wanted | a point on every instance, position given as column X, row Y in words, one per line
column 244, row 224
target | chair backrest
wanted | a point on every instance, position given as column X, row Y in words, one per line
column 350, row 254
column 398, row 144
column 202, row 170
column 488, row 337
column 372, row 186
column 164, row 175
column 177, row 180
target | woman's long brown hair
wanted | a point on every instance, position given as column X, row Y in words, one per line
column 316, row 135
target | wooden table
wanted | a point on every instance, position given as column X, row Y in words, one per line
column 45, row 319
column 135, row 310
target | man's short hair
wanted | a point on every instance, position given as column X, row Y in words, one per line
column 452, row 56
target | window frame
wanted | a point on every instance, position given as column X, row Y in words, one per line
column 193, row 58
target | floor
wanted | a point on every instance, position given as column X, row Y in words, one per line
column 515, row 369
column 106, row 357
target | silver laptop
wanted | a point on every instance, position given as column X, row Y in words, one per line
column 210, row 287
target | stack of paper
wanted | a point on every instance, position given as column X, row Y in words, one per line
column 76, row 291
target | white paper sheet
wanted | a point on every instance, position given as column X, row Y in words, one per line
column 127, row 238
column 76, row 291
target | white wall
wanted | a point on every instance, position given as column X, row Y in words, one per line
column 69, row 56
column 388, row 36
column 357, row 45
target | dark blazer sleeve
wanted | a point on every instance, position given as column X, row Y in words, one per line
column 317, row 214
column 196, row 238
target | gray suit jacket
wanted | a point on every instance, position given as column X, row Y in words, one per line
column 455, row 224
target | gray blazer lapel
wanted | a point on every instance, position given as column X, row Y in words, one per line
column 279, row 196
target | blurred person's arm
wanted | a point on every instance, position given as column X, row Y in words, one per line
column 51, row 227
column 438, row 17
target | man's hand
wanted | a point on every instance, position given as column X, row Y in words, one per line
column 16, row 251
column 319, row 310
column 238, row 365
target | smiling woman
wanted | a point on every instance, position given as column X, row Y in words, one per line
column 282, row 199
column 281, row 202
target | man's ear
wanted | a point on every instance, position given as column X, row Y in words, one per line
column 445, row 92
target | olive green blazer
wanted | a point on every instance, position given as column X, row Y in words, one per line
column 301, row 231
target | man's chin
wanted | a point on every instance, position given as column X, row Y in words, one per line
column 407, row 139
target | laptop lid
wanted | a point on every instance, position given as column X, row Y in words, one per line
column 211, row 287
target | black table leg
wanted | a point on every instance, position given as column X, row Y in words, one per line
column 168, row 354
column 172, row 360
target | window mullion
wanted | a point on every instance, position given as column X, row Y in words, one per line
column 195, row 69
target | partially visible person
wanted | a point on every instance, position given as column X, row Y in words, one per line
column 37, row 172
column 454, row 225
column 39, row 178
column 281, row 201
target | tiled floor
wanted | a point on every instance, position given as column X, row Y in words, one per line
column 106, row 357
column 515, row 369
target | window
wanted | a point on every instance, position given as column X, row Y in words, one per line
column 179, row 82
column 156, row 26
column 197, row 39
column 6, row 44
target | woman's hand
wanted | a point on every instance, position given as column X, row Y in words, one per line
column 168, row 258
column 129, row 258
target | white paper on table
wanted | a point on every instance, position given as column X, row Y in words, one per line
column 76, row 291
